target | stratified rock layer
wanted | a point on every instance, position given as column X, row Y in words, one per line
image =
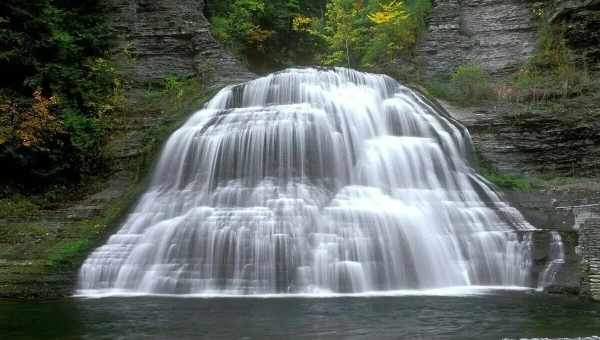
column 565, row 142
column 172, row 37
column 498, row 34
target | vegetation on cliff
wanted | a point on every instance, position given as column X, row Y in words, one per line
column 44, row 237
column 57, row 92
column 360, row 34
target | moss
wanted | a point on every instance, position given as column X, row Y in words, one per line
column 17, row 206
column 509, row 181
column 504, row 180
column 65, row 250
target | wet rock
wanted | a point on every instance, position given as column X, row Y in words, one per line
column 590, row 264
column 567, row 277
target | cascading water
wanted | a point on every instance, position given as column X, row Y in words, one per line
column 312, row 181
column 556, row 260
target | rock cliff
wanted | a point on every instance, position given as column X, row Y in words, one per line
column 172, row 37
column 502, row 34
column 561, row 141
column 498, row 34
column 581, row 24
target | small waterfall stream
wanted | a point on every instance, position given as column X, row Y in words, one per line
column 555, row 262
column 314, row 181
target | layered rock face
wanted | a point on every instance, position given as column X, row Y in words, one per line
column 501, row 34
column 498, row 34
column 172, row 37
column 565, row 144
column 538, row 142
column 581, row 20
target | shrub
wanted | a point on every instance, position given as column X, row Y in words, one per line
column 552, row 71
column 263, row 32
column 354, row 33
column 371, row 35
column 58, row 94
column 470, row 84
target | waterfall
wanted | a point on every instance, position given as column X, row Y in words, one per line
column 314, row 181
column 556, row 260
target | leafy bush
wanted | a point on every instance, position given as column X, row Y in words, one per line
column 354, row 33
column 65, row 250
column 371, row 34
column 58, row 91
column 552, row 71
column 510, row 182
column 470, row 84
column 506, row 180
column 263, row 32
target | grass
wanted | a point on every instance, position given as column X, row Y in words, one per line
column 510, row 181
column 529, row 183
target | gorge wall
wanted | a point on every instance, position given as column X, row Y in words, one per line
column 502, row 35
column 172, row 37
column 499, row 35
column 560, row 139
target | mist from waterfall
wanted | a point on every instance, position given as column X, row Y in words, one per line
column 314, row 181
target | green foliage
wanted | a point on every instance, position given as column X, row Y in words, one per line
column 505, row 180
column 58, row 91
column 510, row 182
column 263, row 32
column 64, row 251
column 174, row 85
column 552, row 71
column 354, row 33
column 470, row 83
column 371, row 34
column 17, row 206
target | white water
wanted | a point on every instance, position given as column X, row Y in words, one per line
column 314, row 182
column 556, row 260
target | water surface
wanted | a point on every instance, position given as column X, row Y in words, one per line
column 490, row 316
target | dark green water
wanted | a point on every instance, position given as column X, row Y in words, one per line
column 507, row 314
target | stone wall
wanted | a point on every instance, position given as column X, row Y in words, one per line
column 589, row 240
column 498, row 34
